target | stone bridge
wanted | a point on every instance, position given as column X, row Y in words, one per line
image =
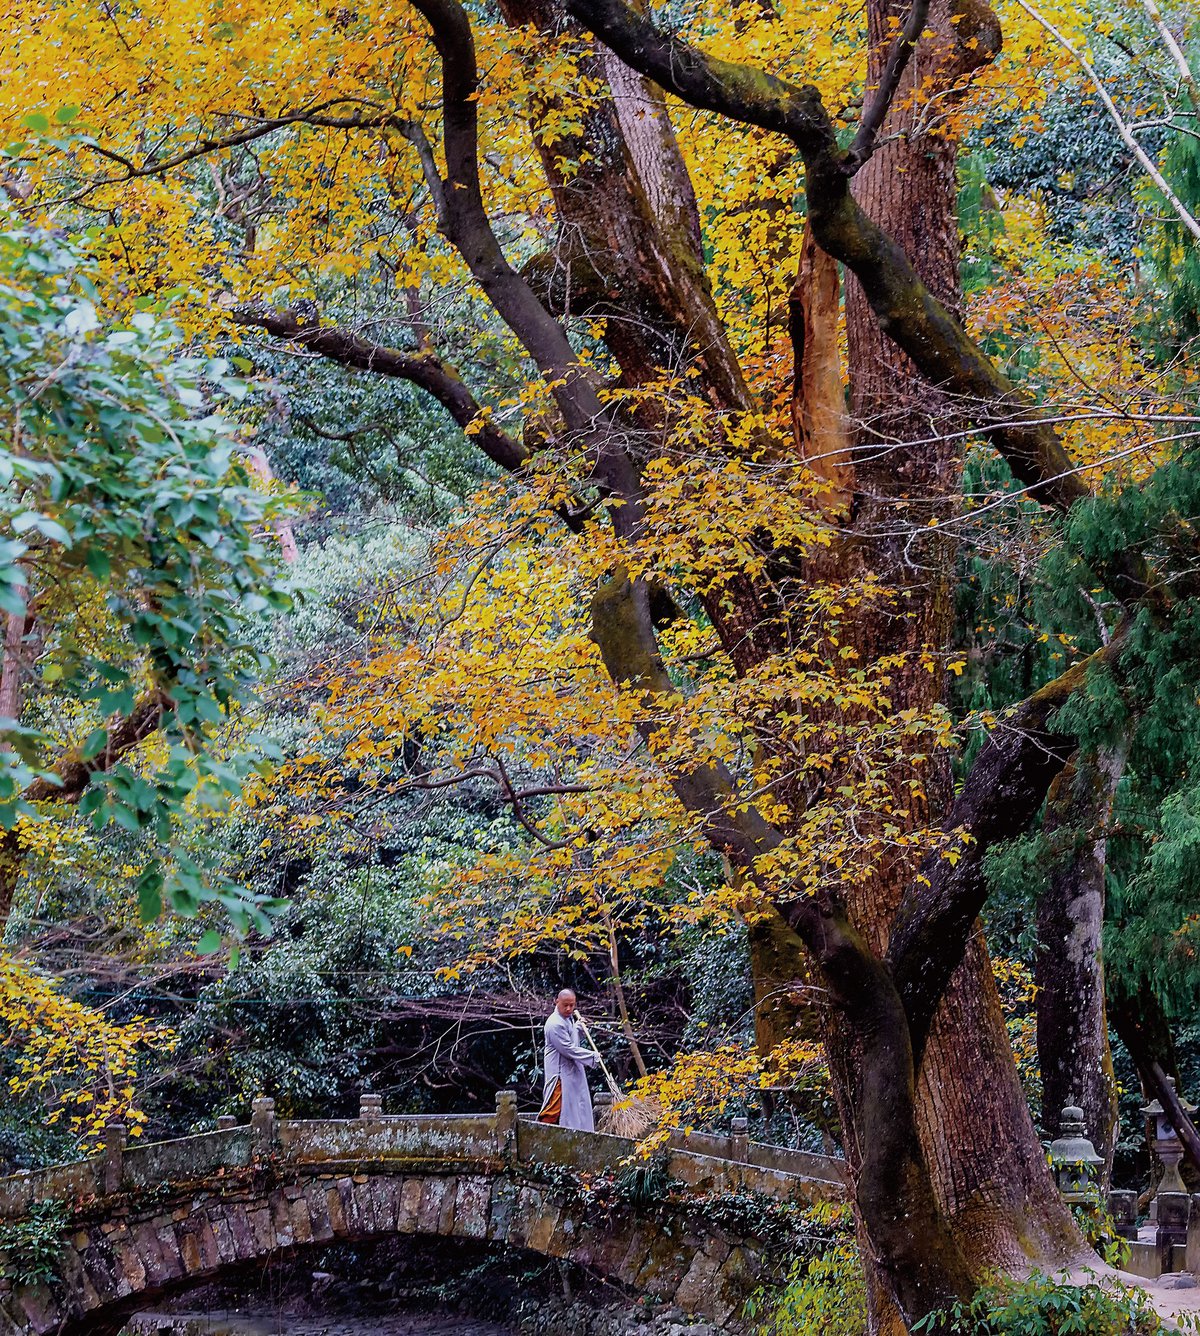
column 139, row 1223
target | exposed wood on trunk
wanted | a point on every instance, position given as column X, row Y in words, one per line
column 819, row 422
column 1072, row 1021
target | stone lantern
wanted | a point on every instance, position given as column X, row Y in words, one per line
column 1073, row 1158
column 1170, row 1210
column 1167, row 1145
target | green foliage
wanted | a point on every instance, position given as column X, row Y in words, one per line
column 644, row 1182
column 825, row 1290
column 1098, row 1227
column 303, row 1017
column 129, row 517
column 30, row 1247
column 1040, row 1306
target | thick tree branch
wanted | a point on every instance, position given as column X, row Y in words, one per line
column 741, row 92
column 69, row 777
column 73, row 772
column 425, row 370
column 465, row 223
column 898, row 59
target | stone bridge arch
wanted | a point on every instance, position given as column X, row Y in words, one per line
column 163, row 1217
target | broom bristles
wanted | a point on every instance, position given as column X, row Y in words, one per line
column 629, row 1116
column 632, row 1117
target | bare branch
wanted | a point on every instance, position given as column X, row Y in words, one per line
column 425, row 370
column 889, row 82
column 315, row 116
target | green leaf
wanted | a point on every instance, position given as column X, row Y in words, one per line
column 149, row 894
column 38, row 122
column 96, row 742
column 98, row 563
column 209, row 942
column 126, row 818
column 65, row 115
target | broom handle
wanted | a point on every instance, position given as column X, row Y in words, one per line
column 612, row 1085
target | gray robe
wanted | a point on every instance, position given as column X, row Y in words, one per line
column 566, row 1060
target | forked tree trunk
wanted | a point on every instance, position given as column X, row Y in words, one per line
column 988, row 1170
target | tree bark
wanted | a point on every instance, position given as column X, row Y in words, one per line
column 986, row 1164
column 12, row 677
column 1072, row 1021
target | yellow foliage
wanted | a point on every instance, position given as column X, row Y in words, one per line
column 701, row 1084
column 81, row 1064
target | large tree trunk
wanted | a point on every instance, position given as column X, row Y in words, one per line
column 987, row 1166
column 649, row 284
column 1072, row 1022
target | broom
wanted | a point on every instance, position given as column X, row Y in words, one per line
column 629, row 1116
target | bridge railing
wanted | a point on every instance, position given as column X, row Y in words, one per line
column 463, row 1143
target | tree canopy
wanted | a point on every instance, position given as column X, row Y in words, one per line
column 750, row 536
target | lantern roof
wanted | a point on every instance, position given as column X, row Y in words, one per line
column 1072, row 1145
column 1156, row 1110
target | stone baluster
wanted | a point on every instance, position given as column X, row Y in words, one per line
column 506, row 1114
column 370, row 1108
column 262, row 1126
column 1171, row 1222
column 739, row 1140
column 115, row 1138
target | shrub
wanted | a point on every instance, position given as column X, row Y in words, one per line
column 1040, row 1306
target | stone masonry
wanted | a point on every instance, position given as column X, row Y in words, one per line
column 158, row 1218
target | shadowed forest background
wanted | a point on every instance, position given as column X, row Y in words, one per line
column 699, row 507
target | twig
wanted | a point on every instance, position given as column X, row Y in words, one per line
column 1127, row 138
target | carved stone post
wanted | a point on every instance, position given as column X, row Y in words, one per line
column 506, row 1114
column 370, row 1108
column 226, row 1122
column 1192, row 1256
column 739, row 1140
column 115, row 1137
column 1174, row 1209
column 262, row 1127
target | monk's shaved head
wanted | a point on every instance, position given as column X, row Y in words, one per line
column 566, row 992
column 564, row 1003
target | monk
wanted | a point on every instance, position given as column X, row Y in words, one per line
column 566, row 1100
